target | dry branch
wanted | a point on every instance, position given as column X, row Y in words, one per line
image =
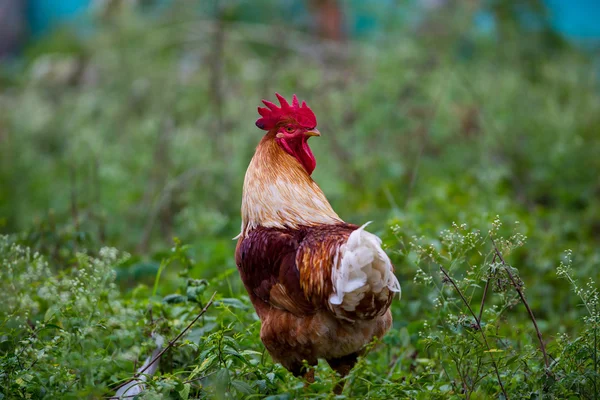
column 449, row 279
column 522, row 296
column 169, row 345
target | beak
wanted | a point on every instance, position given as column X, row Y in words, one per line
column 313, row 132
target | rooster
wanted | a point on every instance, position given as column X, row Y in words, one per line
column 321, row 287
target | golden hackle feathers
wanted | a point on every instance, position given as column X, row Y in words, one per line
column 278, row 193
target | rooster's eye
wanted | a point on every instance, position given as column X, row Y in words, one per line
column 289, row 129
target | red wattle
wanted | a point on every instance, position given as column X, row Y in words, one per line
column 308, row 159
column 298, row 148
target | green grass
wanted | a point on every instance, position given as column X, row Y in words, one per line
column 142, row 133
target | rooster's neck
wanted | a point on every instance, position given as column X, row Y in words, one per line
column 279, row 193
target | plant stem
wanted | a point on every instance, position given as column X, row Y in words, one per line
column 522, row 296
column 483, row 296
column 479, row 327
column 462, row 380
column 162, row 266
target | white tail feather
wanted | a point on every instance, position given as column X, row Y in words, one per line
column 361, row 266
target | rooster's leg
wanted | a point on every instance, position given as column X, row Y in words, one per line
column 309, row 377
column 306, row 372
column 342, row 366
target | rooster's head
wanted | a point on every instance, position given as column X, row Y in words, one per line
column 290, row 126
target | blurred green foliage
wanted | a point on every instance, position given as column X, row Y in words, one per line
column 142, row 132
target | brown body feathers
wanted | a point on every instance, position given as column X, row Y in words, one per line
column 287, row 273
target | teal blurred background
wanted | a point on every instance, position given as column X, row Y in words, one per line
column 575, row 20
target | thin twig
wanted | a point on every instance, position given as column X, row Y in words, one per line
column 452, row 382
column 522, row 296
column 169, row 345
column 485, row 289
column 201, row 377
column 463, row 379
column 479, row 328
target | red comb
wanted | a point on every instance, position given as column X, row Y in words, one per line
column 271, row 115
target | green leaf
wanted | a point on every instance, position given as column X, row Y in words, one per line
column 233, row 303
column 251, row 353
column 242, row 387
column 203, row 366
column 261, row 384
column 185, row 392
column 193, row 293
column 284, row 396
column 51, row 312
column 174, row 299
column 222, row 377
